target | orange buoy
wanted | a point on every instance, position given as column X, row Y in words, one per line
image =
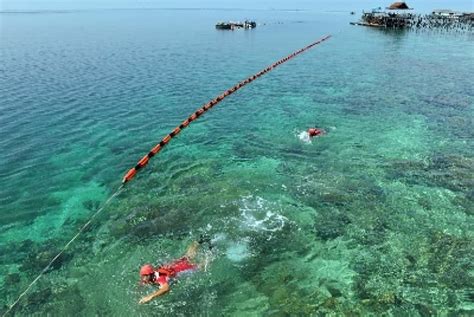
column 143, row 161
column 129, row 175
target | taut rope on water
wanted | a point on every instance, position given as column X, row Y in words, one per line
column 144, row 161
column 84, row 227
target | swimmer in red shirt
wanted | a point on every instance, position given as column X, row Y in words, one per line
column 312, row 132
column 163, row 274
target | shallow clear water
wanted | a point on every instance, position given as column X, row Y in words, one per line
column 374, row 217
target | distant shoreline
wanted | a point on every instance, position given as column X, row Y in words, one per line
column 295, row 10
column 143, row 9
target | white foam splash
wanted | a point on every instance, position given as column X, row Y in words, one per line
column 238, row 251
column 259, row 215
column 304, row 136
column 256, row 216
column 235, row 251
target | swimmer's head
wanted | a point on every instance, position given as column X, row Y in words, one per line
column 147, row 273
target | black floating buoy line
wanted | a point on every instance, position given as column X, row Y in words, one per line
column 144, row 160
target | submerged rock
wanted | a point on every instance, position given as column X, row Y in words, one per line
column 453, row 172
column 25, row 245
column 425, row 310
column 39, row 258
column 450, row 258
column 12, row 279
column 334, row 291
column 387, row 298
column 38, row 298
column 91, row 205
column 331, row 224
column 456, row 101
column 336, row 198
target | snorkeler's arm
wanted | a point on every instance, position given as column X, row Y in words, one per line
column 164, row 288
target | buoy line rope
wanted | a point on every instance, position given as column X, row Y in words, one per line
column 144, row 161
column 84, row 227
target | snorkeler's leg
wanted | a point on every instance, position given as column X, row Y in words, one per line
column 192, row 251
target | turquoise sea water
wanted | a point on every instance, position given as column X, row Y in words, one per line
column 373, row 218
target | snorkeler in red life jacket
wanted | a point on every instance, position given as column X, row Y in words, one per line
column 312, row 132
column 162, row 275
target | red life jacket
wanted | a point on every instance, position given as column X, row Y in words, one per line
column 168, row 271
column 315, row 132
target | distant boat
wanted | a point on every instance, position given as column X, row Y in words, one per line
column 233, row 25
column 224, row 26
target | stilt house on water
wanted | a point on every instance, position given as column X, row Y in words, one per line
column 397, row 15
